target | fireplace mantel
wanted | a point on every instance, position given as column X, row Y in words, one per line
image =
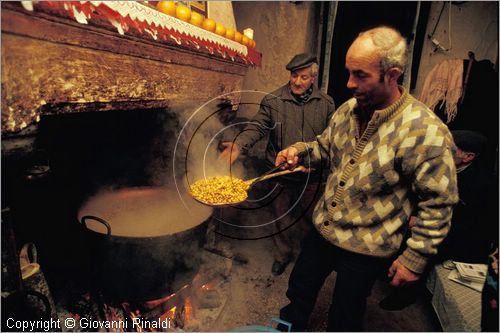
column 50, row 63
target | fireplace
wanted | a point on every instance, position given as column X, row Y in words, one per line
column 89, row 151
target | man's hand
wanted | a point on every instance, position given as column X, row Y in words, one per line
column 401, row 276
column 412, row 222
column 230, row 153
column 289, row 155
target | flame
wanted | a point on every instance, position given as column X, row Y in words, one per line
column 208, row 286
column 169, row 315
column 184, row 311
column 188, row 309
column 133, row 315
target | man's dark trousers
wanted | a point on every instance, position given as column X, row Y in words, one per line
column 356, row 275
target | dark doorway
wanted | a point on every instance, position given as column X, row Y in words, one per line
column 354, row 17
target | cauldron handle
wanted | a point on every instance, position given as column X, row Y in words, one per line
column 98, row 219
column 15, row 301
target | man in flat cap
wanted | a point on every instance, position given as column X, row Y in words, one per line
column 296, row 111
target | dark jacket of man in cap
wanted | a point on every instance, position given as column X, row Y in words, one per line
column 297, row 111
column 287, row 116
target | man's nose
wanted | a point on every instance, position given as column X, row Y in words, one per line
column 298, row 81
column 350, row 83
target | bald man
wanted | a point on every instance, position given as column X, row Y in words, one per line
column 390, row 157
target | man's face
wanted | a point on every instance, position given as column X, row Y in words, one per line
column 301, row 80
column 367, row 84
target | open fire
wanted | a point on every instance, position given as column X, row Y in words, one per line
column 192, row 307
column 169, row 312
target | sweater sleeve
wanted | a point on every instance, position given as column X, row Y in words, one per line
column 434, row 184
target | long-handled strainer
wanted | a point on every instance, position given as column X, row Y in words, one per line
column 246, row 185
column 271, row 174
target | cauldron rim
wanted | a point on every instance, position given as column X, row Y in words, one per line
column 139, row 194
column 120, row 238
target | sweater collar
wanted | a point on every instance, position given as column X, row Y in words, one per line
column 382, row 115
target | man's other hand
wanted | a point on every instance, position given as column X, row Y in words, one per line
column 230, row 153
column 401, row 276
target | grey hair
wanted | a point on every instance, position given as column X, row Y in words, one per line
column 314, row 69
column 391, row 46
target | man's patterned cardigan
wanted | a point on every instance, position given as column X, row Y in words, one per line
column 402, row 165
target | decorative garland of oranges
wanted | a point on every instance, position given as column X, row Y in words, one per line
column 185, row 14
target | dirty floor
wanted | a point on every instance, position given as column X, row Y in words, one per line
column 257, row 295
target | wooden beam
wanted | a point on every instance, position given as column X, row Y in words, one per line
column 58, row 30
column 51, row 66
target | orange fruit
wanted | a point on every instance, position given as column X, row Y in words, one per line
column 244, row 40
column 251, row 43
column 220, row 29
column 208, row 24
column 196, row 19
column 230, row 33
column 183, row 13
column 237, row 36
column 167, row 7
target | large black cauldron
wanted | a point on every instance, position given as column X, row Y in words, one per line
column 144, row 243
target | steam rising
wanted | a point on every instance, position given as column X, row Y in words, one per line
column 197, row 153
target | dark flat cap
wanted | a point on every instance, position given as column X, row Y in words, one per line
column 470, row 141
column 301, row 60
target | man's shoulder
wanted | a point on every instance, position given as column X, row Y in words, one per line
column 418, row 115
column 425, row 111
column 277, row 94
column 324, row 96
column 347, row 106
column 417, row 104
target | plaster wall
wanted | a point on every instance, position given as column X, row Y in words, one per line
column 474, row 27
column 222, row 12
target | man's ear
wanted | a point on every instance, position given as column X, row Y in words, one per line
column 393, row 75
column 469, row 156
